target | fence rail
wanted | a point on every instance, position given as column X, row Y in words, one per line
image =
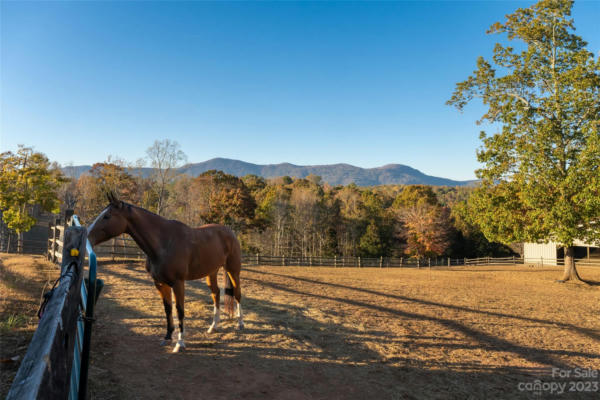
column 46, row 370
column 125, row 248
column 57, row 359
column 400, row 262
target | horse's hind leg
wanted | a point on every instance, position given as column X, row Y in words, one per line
column 211, row 281
column 233, row 289
column 237, row 293
column 165, row 294
column 233, row 286
column 179, row 290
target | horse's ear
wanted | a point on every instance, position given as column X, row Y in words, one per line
column 114, row 200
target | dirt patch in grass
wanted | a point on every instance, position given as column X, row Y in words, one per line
column 22, row 280
column 330, row 333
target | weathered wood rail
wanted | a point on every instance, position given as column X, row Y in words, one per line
column 57, row 359
column 45, row 372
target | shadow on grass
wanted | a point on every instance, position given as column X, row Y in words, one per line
column 592, row 334
column 321, row 360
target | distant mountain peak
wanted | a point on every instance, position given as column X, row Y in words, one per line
column 334, row 174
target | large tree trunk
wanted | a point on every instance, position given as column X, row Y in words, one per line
column 570, row 272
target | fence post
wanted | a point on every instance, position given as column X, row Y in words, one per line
column 419, row 263
column 465, row 261
column 542, row 261
column 56, row 237
column 448, row 261
column 334, row 261
column 401, row 261
column 310, row 261
column 429, row 262
column 358, row 262
column 257, row 259
column 284, row 261
column 381, row 262
column 50, row 243
column 514, row 260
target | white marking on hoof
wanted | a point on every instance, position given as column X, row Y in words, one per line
column 240, row 316
column 179, row 346
column 165, row 342
column 216, row 318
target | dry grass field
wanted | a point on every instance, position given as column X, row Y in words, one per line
column 325, row 333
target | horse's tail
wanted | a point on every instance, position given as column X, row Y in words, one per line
column 228, row 305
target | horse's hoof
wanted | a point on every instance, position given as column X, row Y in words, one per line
column 180, row 346
column 165, row 342
column 240, row 326
column 211, row 329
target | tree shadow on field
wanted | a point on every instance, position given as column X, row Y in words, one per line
column 284, row 353
column 590, row 333
column 485, row 340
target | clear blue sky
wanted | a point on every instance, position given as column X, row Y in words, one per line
column 309, row 83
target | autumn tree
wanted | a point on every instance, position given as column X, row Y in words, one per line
column 27, row 179
column 540, row 179
column 164, row 157
column 227, row 200
column 425, row 224
column 110, row 177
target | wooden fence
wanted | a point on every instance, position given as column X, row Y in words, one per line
column 46, row 369
column 123, row 248
column 57, row 359
column 400, row 262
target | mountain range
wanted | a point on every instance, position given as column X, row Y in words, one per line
column 334, row 174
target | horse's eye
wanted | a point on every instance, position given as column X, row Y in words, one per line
column 106, row 216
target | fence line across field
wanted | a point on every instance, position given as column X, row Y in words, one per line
column 124, row 248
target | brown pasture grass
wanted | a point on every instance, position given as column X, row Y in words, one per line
column 22, row 281
column 348, row 333
column 330, row 333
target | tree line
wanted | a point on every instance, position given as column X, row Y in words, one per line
column 283, row 216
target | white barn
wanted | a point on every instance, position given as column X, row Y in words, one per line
column 549, row 253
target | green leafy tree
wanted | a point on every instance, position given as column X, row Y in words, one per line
column 540, row 180
column 370, row 243
column 27, row 179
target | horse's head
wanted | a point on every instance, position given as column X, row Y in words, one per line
column 111, row 222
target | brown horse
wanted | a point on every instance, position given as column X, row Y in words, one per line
column 176, row 253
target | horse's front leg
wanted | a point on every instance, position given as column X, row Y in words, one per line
column 211, row 281
column 179, row 290
column 165, row 294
